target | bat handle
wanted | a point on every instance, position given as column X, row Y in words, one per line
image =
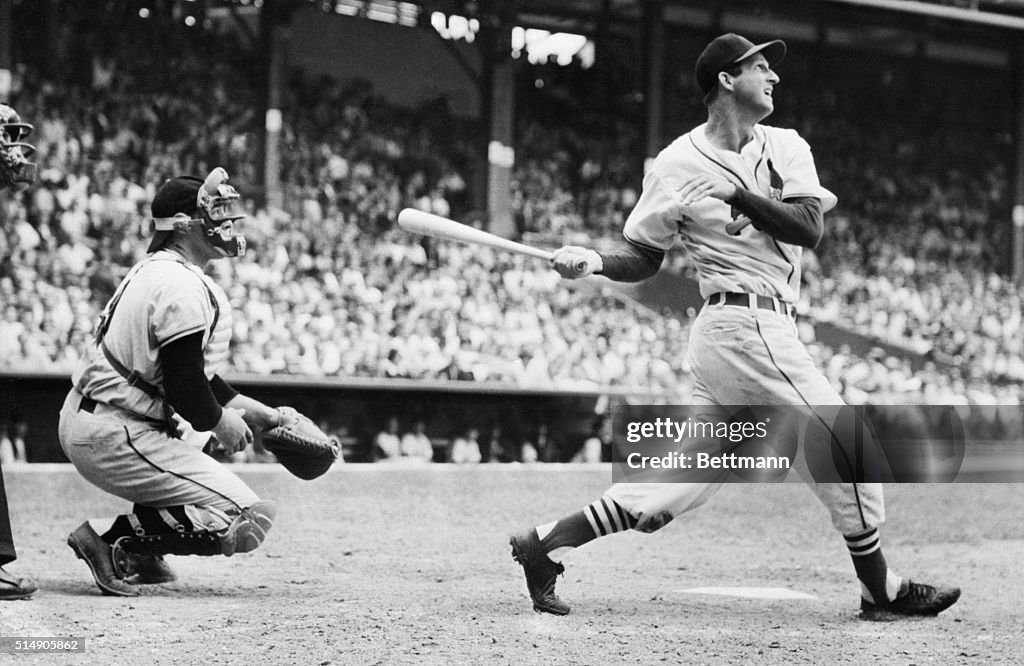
column 736, row 226
column 577, row 268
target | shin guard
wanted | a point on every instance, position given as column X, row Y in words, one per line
column 197, row 530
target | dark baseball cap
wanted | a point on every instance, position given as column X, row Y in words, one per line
column 730, row 49
column 177, row 195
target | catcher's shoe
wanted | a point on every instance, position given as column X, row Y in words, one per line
column 142, row 568
column 541, row 573
column 98, row 554
column 12, row 587
column 915, row 599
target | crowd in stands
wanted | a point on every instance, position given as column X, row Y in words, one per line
column 331, row 288
column 567, row 182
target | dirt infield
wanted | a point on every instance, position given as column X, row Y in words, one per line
column 370, row 565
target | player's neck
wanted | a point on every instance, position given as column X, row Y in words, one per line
column 191, row 252
column 728, row 129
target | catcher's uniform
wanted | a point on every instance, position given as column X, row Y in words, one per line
column 744, row 348
column 114, row 427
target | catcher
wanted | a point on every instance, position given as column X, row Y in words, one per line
column 147, row 399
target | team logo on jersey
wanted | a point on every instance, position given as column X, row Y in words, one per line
column 774, row 183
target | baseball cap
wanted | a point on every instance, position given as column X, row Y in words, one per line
column 176, row 195
column 729, row 49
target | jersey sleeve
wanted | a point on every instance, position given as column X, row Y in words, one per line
column 800, row 177
column 654, row 220
column 181, row 307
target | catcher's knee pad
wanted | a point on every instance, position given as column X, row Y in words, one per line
column 249, row 528
column 197, row 530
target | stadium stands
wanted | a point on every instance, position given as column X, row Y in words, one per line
column 913, row 256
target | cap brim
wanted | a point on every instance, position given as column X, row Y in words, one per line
column 159, row 238
column 773, row 51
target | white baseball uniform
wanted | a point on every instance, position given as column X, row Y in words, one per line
column 746, row 352
column 126, row 445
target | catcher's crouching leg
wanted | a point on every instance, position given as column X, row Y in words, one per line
column 196, row 530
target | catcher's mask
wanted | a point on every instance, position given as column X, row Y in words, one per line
column 185, row 201
column 15, row 169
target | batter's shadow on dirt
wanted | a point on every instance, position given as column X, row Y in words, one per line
column 726, row 612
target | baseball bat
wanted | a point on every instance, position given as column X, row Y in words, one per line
column 736, row 226
column 436, row 226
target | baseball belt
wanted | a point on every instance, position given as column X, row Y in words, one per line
column 751, row 301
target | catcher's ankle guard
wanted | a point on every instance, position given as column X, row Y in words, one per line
column 224, row 535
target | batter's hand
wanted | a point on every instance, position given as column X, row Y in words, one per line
column 705, row 185
column 573, row 262
column 231, row 431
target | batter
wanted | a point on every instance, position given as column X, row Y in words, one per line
column 744, row 199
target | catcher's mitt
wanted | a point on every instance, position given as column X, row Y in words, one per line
column 303, row 448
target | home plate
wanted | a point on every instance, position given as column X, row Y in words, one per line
column 751, row 592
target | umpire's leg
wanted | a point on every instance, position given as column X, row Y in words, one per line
column 7, row 553
column 11, row 587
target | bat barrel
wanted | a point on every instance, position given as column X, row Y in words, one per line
column 435, row 226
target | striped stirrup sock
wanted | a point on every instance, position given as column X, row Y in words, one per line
column 600, row 518
column 877, row 581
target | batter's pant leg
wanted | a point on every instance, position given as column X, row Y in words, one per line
column 748, row 357
column 656, row 504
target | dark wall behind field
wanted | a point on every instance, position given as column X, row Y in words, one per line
column 355, row 411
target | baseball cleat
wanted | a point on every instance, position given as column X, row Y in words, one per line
column 141, row 568
column 541, row 573
column 12, row 587
column 98, row 554
column 916, row 599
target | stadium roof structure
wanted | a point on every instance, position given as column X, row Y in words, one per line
column 880, row 22
column 983, row 32
column 1008, row 14
column 995, row 13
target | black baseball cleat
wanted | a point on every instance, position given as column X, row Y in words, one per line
column 12, row 587
column 541, row 573
column 914, row 599
column 98, row 554
column 141, row 568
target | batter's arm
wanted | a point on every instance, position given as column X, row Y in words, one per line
column 631, row 263
column 797, row 221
